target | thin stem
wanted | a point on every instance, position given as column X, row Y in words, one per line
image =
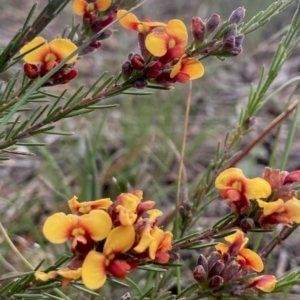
column 272, row 125
column 284, row 234
column 177, row 216
column 14, row 248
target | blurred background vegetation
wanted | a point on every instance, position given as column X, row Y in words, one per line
column 137, row 144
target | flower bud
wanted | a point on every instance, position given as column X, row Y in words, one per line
column 129, row 56
column 140, row 83
column 237, row 16
column 144, row 206
column 154, row 69
column 229, row 43
column 215, row 282
column 202, row 261
column 247, row 224
column 198, row 30
column 214, row 256
column 232, row 31
column 216, row 268
column 31, row 70
column 231, row 271
column 137, row 62
column 200, row 274
column 69, row 76
column 126, row 70
column 226, row 257
column 239, row 40
column 212, row 23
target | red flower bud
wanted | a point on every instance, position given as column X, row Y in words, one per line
column 69, row 76
column 118, row 268
column 198, row 30
column 154, row 69
column 137, row 62
column 31, row 70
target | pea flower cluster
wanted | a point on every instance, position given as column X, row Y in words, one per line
column 268, row 201
column 228, row 270
column 163, row 59
column 96, row 15
column 107, row 237
column 41, row 57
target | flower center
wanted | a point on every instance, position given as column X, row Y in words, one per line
column 171, row 43
column 237, row 185
column 78, row 231
column 143, row 28
column 50, row 57
column 90, row 7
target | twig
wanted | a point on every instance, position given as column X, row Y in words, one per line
column 284, row 234
column 272, row 125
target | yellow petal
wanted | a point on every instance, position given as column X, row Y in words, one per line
column 271, row 207
column 71, row 274
column 57, row 228
column 177, row 67
column 192, row 67
column 228, row 176
column 265, row 283
column 87, row 206
column 252, row 259
column 293, row 209
column 237, row 237
column 102, row 5
column 178, row 31
column 129, row 201
column 156, row 43
column 257, row 188
column 45, row 276
column 130, row 21
column 62, row 48
column 119, row 240
column 222, row 247
column 154, row 214
column 98, row 224
column 126, row 217
column 79, row 7
column 158, row 235
column 146, row 239
column 166, row 243
column 94, row 270
column 36, row 56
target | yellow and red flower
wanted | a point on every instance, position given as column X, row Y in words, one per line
column 239, row 189
column 80, row 7
column 47, row 56
column 96, row 265
column 187, row 68
column 245, row 257
column 87, row 206
column 83, row 230
column 130, row 21
column 265, row 283
column 49, row 53
column 67, row 275
column 154, row 242
column 279, row 212
column 169, row 43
